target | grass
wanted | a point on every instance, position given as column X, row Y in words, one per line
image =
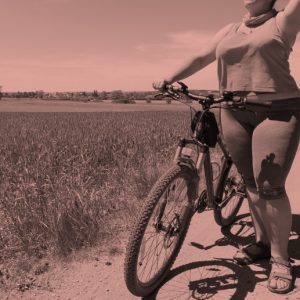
column 72, row 180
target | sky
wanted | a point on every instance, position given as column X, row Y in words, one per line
column 76, row 45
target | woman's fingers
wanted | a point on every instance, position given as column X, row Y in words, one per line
column 159, row 85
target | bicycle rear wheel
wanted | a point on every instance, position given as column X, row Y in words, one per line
column 159, row 231
column 233, row 193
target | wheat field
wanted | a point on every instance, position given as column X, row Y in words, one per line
column 70, row 180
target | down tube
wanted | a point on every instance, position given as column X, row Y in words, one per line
column 209, row 180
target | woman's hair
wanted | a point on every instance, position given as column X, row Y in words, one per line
column 272, row 3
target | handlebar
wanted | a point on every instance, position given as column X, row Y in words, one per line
column 208, row 100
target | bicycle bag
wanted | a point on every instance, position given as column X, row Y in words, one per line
column 205, row 128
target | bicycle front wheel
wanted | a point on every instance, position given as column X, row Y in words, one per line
column 159, row 231
column 233, row 193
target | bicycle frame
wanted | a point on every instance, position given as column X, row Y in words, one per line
column 204, row 160
column 161, row 226
column 213, row 197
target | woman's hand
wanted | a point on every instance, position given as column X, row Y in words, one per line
column 161, row 85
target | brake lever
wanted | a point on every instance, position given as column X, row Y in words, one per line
column 184, row 87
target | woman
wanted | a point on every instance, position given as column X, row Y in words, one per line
column 253, row 58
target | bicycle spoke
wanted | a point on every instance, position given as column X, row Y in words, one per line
column 155, row 261
column 159, row 240
column 147, row 262
column 152, row 259
column 175, row 203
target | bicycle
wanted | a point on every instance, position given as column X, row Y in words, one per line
column 187, row 187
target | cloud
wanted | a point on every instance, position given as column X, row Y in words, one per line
column 142, row 48
column 159, row 60
column 189, row 40
column 164, row 58
column 177, row 43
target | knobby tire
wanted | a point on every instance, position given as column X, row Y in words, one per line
column 163, row 186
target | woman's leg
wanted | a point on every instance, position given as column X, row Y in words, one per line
column 257, row 208
column 237, row 134
column 275, row 142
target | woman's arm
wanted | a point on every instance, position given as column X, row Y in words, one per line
column 206, row 56
column 288, row 20
column 292, row 13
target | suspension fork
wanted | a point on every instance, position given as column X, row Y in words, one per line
column 183, row 159
column 180, row 157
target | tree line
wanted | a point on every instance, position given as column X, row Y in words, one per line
column 95, row 95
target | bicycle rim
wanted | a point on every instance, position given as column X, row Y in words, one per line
column 163, row 231
column 159, row 231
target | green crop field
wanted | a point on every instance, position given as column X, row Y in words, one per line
column 72, row 179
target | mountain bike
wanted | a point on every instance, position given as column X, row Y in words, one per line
column 186, row 188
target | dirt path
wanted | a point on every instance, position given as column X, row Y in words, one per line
column 204, row 264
